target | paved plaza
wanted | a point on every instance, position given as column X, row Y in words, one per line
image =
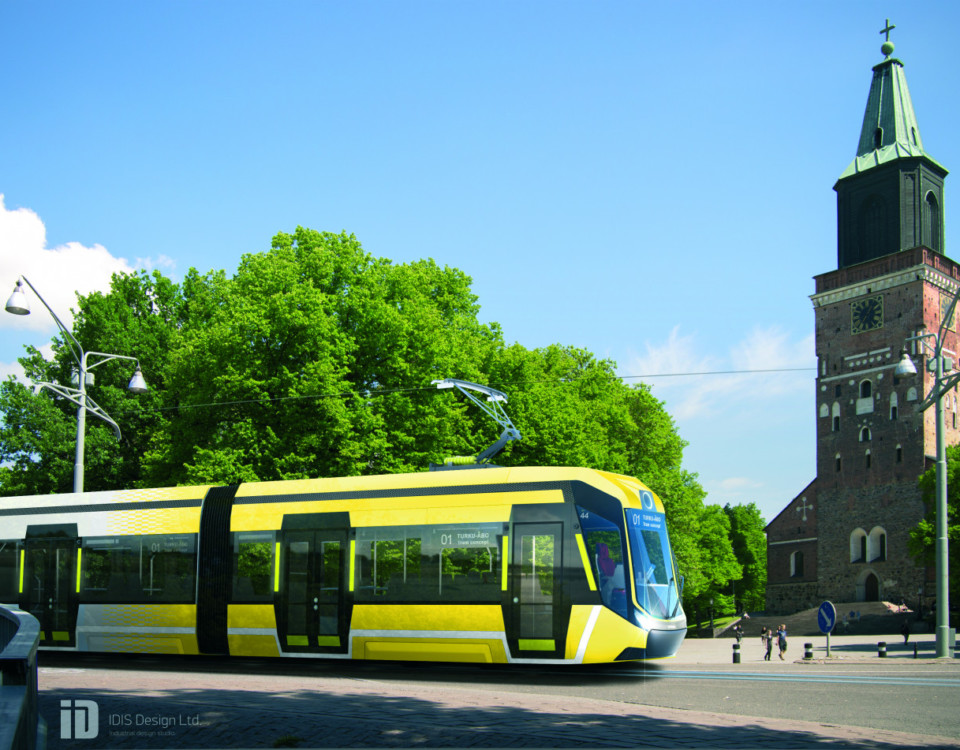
column 172, row 709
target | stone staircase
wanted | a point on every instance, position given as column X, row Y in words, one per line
column 876, row 618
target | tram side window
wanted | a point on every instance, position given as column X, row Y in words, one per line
column 253, row 560
column 605, row 550
column 157, row 568
column 389, row 564
column 9, row 575
column 469, row 574
column 429, row 563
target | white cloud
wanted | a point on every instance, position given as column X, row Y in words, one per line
column 750, row 434
column 695, row 384
column 12, row 369
column 58, row 273
column 735, row 484
column 162, row 262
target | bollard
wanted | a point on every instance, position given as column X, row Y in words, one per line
column 736, row 653
column 807, row 650
column 882, row 649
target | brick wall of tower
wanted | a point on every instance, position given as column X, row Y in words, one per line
column 894, row 509
column 872, row 447
column 868, row 431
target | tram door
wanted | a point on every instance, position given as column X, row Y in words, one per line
column 536, row 589
column 313, row 571
column 48, row 582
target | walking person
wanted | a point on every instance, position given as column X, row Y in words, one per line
column 766, row 638
column 905, row 631
column 782, row 640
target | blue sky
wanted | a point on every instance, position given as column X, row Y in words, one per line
column 648, row 180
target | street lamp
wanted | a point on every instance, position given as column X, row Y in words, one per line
column 942, row 383
column 19, row 305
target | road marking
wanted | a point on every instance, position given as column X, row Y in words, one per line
column 766, row 677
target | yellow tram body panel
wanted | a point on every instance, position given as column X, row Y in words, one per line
column 610, row 636
column 252, row 630
column 461, row 633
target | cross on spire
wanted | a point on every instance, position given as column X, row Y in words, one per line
column 886, row 30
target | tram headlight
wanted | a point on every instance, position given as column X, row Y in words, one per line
column 646, row 622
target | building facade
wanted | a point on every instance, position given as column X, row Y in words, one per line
column 844, row 537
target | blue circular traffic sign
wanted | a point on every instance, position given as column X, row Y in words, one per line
column 826, row 617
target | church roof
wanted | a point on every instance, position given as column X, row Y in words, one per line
column 890, row 130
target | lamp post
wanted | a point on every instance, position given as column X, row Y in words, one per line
column 942, row 383
column 86, row 361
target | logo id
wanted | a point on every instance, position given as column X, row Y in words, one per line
column 79, row 720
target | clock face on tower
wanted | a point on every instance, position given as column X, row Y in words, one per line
column 945, row 300
column 866, row 314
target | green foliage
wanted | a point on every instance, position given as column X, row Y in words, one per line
column 750, row 547
column 718, row 562
column 316, row 359
column 923, row 537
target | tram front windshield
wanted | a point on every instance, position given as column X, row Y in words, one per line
column 656, row 587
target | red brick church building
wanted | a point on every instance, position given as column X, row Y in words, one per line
column 844, row 537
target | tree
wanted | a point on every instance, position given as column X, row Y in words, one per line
column 923, row 537
column 750, row 547
column 316, row 359
column 718, row 562
column 38, row 433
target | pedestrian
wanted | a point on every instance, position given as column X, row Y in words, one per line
column 738, row 633
column 905, row 631
column 782, row 640
column 766, row 638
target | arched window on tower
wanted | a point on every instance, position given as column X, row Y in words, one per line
column 858, row 546
column 867, row 459
column 931, row 222
column 865, row 435
column 894, row 406
column 836, row 416
column 866, row 389
column 838, row 463
column 877, row 545
column 899, row 454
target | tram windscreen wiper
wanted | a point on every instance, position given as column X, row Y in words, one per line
column 677, row 605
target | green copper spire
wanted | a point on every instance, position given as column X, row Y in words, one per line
column 890, row 130
column 890, row 198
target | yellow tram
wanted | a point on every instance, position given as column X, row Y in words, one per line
column 475, row 563
column 519, row 565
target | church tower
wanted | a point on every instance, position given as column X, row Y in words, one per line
column 844, row 538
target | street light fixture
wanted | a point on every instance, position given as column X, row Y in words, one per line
column 944, row 380
column 18, row 304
